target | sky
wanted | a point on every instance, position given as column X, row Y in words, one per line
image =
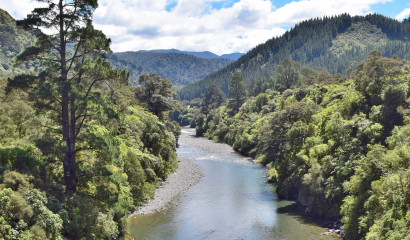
column 219, row 26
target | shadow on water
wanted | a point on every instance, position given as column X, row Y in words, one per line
column 302, row 214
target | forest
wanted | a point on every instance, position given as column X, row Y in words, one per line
column 339, row 146
column 80, row 147
column 86, row 135
column 330, row 44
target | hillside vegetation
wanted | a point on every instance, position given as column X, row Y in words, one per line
column 13, row 41
column 330, row 43
column 179, row 68
column 78, row 150
column 339, row 148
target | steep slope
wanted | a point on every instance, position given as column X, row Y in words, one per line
column 12, row 41
column 323, row 43
column 179, row 68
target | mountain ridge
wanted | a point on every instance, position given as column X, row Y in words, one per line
column 309, row 43
column 203, row 54
column 179, row 68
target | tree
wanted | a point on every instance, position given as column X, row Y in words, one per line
column 213, row 98
column 72, row 54
column 237, row 92
column 156, row 92
column 287, row 73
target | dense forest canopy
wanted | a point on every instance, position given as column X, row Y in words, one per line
column 340, row 147
column 326, row 44
column 78, row 150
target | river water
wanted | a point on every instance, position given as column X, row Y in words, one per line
column 232, row 201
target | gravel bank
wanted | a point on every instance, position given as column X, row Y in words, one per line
column 205, row 144
column 187, row 175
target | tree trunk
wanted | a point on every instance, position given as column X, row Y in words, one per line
column 69, row 163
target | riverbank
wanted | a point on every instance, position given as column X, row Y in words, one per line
column 187, row 175
column 231, row 201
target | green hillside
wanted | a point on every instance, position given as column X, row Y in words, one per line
column 12, row 41
column 339, row 149
column 330, row 43
column 179, row 68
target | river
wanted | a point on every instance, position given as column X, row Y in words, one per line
column 232, row 201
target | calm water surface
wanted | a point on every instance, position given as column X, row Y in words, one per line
column 232, row 201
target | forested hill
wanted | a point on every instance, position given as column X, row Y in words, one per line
column 179, row 68
column 12, row 41
column 329, row 43
column 204, row 54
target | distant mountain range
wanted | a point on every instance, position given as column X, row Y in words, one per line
column 330, row 43
column 205, row 54
column 179, row 68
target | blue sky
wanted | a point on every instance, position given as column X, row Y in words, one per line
column 220, row 26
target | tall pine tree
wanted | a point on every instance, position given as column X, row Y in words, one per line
column 72, row 55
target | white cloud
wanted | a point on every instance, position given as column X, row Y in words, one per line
column 19, row 8
column 196, row 25
column 404, row 14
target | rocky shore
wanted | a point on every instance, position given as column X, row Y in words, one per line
column 187, row 175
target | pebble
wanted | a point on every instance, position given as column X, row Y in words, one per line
column 187, row 175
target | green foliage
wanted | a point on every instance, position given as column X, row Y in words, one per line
column 13, row 41
column 122, row 153
column 287, row 73
column 237, row 92
column 156, row 93
column 213, row 98
column 23, row 211
column 339, row 148
column 125, row 153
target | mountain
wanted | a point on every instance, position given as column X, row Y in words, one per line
column 329, row 43
column 13, row 40
column 232, row 56
column 179, row 68
column 205, row 54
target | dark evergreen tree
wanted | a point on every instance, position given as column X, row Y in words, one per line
column 237, row 92
column 213, row 98
column 156, row 92
column 72, row 53
column 287, row 74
